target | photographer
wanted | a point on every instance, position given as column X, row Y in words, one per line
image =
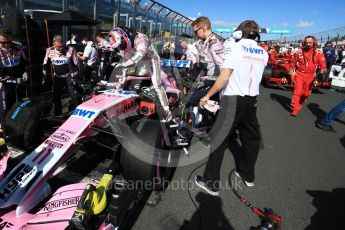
column 12, row 69
column 240, row 77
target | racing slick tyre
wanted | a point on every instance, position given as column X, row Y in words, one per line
column 268, row 72
column 156, row 169
column 321, row 77
column 23, row 122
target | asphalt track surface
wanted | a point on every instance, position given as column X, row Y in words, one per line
column 300, row 173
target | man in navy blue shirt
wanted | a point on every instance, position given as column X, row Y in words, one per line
column 329, row 52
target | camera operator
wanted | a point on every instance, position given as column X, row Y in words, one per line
column 64, row 61
column 239, row 79
column 12, row 69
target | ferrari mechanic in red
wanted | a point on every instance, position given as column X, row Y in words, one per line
column 272, row 53
column 303, row 67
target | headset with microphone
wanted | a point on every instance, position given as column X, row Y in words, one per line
column 304, row 43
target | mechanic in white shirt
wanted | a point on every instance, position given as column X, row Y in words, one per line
column 191, row 53
column 89, row 57
column 239, row 79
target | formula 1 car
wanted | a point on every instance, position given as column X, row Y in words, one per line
column 129, row 117
column 337, row 76
column 276, row 74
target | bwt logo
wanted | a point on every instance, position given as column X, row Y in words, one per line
column 59, row 61
column 175, row 63
column 253, row 50
column 83, row 113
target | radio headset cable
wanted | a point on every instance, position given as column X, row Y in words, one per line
column 269, row 219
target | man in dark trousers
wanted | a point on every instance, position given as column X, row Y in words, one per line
column 240, row 77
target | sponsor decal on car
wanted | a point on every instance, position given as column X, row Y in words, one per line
column 19, row 108
column 56, row 205
column 20, row 175
column 60, row 137
column 83, row 113
column 53, row 144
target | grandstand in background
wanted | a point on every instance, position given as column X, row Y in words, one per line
column 337, row 36
column 136, row 14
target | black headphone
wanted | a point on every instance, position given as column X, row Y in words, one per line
column 248, row 33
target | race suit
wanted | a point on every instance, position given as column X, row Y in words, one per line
column 143, row 56
column 305, row 63
column 64, row 66
column 211, row 58
column 272, row 53
column 12, row 68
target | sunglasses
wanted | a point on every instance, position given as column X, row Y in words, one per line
column 196, row 31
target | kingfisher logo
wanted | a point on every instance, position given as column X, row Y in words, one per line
column 60, row 137
column 61, row 204
column 84, row 113
column 253, row 50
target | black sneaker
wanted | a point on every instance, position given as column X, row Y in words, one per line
column 180, row 140
column 324, row 126
column 200, row 181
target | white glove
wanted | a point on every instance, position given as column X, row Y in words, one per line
column 25, row 76
column 44, row 72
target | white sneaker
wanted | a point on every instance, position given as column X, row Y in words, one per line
column 200, row 181
column 249, row 184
